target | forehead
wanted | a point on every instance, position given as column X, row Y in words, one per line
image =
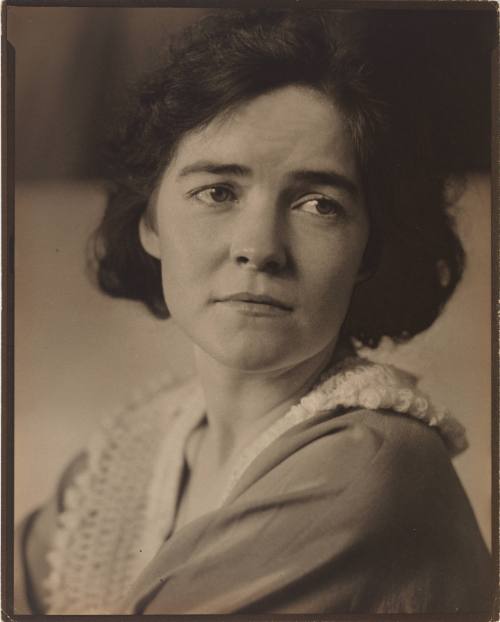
column 292, row 127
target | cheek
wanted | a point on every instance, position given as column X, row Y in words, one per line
column 175, row 268
column 186, row 263
column 331, row 277
column 185, row 239
column 332, row 292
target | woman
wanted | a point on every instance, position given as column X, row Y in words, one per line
column 264, row 198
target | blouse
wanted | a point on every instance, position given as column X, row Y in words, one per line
column 348, row 503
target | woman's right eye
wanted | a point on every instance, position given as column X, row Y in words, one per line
column 215, row 195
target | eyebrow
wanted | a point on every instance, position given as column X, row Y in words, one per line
column 324, row 178
column 216, row 169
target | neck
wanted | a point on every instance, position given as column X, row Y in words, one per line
column 240, row 405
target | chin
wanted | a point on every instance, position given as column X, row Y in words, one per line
column 253, row 360
column 256, row 356
column 250, row 354
column 253, row 350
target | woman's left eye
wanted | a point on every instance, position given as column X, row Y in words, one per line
column 319, row 206
column 215, row 195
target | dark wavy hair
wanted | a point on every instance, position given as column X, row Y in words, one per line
column 413, row 255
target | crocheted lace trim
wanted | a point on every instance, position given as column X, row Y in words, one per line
column 120, row 510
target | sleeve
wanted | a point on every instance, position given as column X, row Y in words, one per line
column 32, row 542
column 356, row 521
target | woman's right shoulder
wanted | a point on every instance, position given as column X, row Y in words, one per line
column 33, row 541
column 118, row 439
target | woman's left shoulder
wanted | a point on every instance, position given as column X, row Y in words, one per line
column 405, row 446
column 390, row 479
column 391, row 457
column 367, row 445
column 396, row 471
column 374, row 495
column 380, row 468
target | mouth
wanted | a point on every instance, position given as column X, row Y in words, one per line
column 256, row 304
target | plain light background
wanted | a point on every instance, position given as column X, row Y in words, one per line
column 79, row 354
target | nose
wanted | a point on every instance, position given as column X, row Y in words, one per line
column 258, row 241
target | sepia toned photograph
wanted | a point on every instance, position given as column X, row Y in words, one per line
column 250, row 351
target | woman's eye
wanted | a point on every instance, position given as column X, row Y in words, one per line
column 215, row 194
column 319, row 206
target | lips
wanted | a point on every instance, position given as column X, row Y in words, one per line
column 256, row 299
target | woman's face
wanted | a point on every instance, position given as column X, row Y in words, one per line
column 260, row 227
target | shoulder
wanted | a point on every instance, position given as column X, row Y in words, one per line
column 375, row 497
column 119, row 459
column 387, row 473
column 363, row 446
column 396, row 447
column 34, row 540
column 392, row 500
column 393, row 475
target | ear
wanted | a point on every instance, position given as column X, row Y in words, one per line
column 149, row 238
